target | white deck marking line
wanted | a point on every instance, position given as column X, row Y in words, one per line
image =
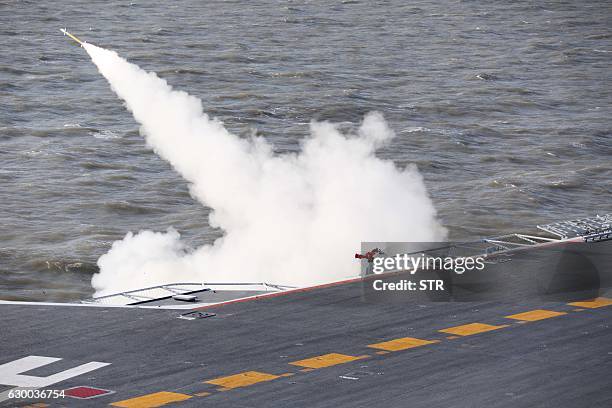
column 10, row 373
column 170, row 307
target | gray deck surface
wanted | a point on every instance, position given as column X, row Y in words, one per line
column 564, row 361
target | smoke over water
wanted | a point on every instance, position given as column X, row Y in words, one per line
column 294, row 219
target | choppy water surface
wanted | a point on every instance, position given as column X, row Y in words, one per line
column 505, row 108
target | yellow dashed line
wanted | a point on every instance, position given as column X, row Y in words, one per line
column 157, row 399
column 401, row 344
column 241, row 380
column 593, row 303
column 472, row 328
column 535, row 315
column 326, row 360
column 287, row 375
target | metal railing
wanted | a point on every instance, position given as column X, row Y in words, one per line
column 582, row 227
column 167, row 291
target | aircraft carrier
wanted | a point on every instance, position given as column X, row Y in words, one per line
column 262, row 345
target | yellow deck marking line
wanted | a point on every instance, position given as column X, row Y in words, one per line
column 535, row 315
column 287, row 375
column 401, row 344
column 157, row 399
column 579, row 310
column 241, row 380
column 472, row 328
column 326, row 360
column 593, row 303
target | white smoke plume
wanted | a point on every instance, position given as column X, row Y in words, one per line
column 294, row 219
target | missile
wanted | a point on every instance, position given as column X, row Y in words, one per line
column 63, row 30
